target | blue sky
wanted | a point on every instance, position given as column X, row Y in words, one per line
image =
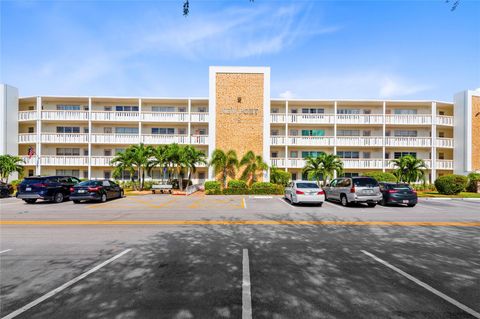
column 316, row 49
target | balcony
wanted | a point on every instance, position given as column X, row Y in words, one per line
column 408, row 119
column 277, row 140
column 444, row 120
column 165, row 117
column 101, row 160
column 199, row 117
column 27, row 138
column 64, row 116
column 444, row 142
column 359, row 141
column 115, row 116
column 199, row 139
column 27, row 115
column 311, row 140
column 64, row 138
column 311, row 118
column 408, row 141
column 164, row 139
column 360, row 119
column 444, row 164
column 53, row 160
column 348, row 163
column 114, row 138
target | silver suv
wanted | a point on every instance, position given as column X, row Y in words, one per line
column 354, row 190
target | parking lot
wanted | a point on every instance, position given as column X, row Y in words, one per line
column 162, row 256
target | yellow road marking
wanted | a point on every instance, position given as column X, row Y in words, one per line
column 233, row 222
column 195, row 203
column 244, row 205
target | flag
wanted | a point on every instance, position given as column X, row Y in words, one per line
column 31, row 152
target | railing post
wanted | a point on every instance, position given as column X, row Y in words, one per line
column 38, row 151
column 384, row 107
column 89, row 171
column 434, row 138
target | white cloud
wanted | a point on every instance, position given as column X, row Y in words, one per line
column 287, row 95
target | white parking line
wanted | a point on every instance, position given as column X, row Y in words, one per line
column 283, row 200
column 424, row 285
column 334, row 205
column 62, row 287
column 4, row 251
column 429, row 207
column 246, row 289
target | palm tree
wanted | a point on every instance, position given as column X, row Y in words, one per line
column 409, row 169
column 10, row 164
column 141, row 156
column 193, row 157
column 123, row 162
column 177, row 161
column 324, row 166
column 224, row 164
column 160, row 159
column 254, row 165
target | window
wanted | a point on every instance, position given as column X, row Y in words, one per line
column 106, row 175
column 67, row 151
column 68, row 129
column 313, row 132
column 164, row 109
column 68, row 172
column 274, row 154
column 441, row 134
column 387, row 133
column 441, row 113
column 108, row 108
column 293, row 132
column 202, row 109
column 404, row 111
column 85, row 130
column 183, row 131
column 348, row 111
column 275, row 110
column 306, row 154
column 118, row 150
column 31, row 108
column 348, row 133
column 126, row 130
column 365, row 182
column 348, row 154
column 387, row 155
column 126, row 108
column 294, row 111
column 441, row 155
column 293, row 154
column 405, row 133
column 274, row 133
column 107, row 152
column 294, row 176
column 182, row 109
column 66, row 107
column 367, row 111
column 30, row 172
column 31, row 129
column 401, row 154
column 85, row 174
column 85, row 152
column 86, row 108
column 366, row 155
column 163, row 130
column 313, row 111
column 367, row 133
column 201, row 175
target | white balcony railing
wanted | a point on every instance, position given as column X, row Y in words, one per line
column 408, row 119
column 311, row 140
column 444, row 142
column 54, row 160
column 65, row 115
column 408, row 141
column 64, row 137
column 359, row 141
column 199, row 117
column 277, row 117
column 311, row 118
column 199, row 139
column 444, row 120
column 114, row 138
column 27, row 138
column 27, row 115
column 164, row 139
column 277, row 140
column 277, row 162
column 165, row 116
column 362, row 163
column 444, row 164
column 115, row 116
column 101, row 160
column 360, row 119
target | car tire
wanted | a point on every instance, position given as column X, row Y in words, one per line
column 372, row 204
column 320, row 205
column 103, row 199
column 344, row 200
column 30, row 201
column 383, row 202
column 121, row 195
column 58, row 198
column 76, row 201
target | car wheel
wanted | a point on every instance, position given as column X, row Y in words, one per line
column 344, row 200
column 76, row 201
column 320, row 205
column 58, row 198
column 103, row 199
column 30, row 201
column 121, row 195
column 372, row 204
column 383, row 202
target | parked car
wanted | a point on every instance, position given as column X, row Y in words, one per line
column 51, row 188
column 398, row 193
column 349, row 190
column 5, row 190
column 304, row 192
column 99, row 190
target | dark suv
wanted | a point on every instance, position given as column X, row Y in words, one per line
column 52, row 188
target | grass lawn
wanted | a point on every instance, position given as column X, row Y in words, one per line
column 436, row 194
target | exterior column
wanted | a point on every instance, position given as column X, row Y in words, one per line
column 38, row 150
column 286, row 135
column 89, row 138
column 335, row 133
column 189, row 129
column 433, row 157
column 139, row 120
column 383, row 135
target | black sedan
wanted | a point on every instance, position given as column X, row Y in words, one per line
column 398, row 193
column 99, row 190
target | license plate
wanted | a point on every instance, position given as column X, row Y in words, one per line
column 28, row 189
column 81, row 191
column 313, row 193
column 369, row 191
column 405, row 201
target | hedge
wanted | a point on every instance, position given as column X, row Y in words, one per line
column 451, row 184
column 265, row 188
column 234, row 183
column 212, row 188
column 473, row 179
column 381, row 176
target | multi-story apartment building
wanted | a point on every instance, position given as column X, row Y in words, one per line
column 79, row 135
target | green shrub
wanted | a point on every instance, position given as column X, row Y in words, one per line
column 237, row 184
column 423, row 187
column 212, row 188
column 236, row 191
column 381, row 176
column 147, row 185
column 451, row 184
column 473, row 179
column 280, row 177
column 265, row 188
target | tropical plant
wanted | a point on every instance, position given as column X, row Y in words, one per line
column 279, row 176
column 224, row 164
column 324, row 167
column 122, row 161
column 254, row 166
column 10, row 164
column 409, row 169
column 451, row 184
column 193, row 157
column 381, row 176
column 473, row 179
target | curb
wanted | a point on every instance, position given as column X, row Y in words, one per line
column 448, row 198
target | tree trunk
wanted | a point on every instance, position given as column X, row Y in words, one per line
column 224, row 178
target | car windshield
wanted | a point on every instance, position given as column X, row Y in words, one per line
column 89, row 183
column 31, row 181
column 401, row 186
column 307, row 185
column 365, row 182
